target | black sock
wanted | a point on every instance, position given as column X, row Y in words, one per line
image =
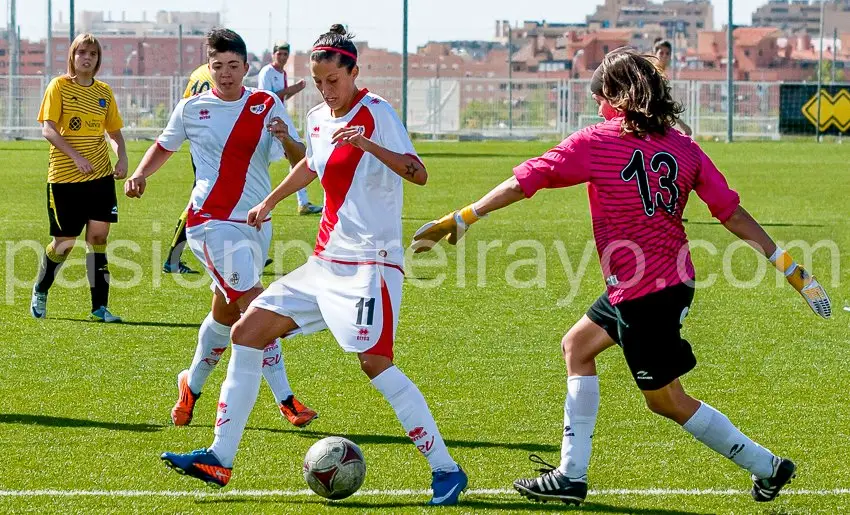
column 98, row 272
column 178, row 242
column 50, row 263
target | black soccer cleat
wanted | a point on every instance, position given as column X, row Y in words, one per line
column 765, row 490
column 551, row 485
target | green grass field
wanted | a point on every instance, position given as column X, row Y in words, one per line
column 84, row 408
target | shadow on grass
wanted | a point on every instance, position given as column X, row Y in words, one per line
column 474, row 503
column 134, row 323
column 404, row 440
column 48, row 421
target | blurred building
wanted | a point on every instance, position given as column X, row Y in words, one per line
column 675, row 19
column 163, row 23
column 802, row 16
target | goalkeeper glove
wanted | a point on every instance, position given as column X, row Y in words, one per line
column 803, row 282
column 450, row 228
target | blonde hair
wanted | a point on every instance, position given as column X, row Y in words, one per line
column 83, row 39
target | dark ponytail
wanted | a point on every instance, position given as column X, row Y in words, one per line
column 333, row 44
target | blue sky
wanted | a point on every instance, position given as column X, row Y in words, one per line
column 378, row 21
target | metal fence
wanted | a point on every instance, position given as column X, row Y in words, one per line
column 438, row 107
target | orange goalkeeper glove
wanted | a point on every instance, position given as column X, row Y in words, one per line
column 803, row 282
column 450, row 228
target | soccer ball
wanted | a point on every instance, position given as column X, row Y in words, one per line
column 334, row 467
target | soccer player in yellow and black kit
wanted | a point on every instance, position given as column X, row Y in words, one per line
column 75, row 113
column 199, row 81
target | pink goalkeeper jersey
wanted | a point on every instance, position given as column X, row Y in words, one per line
column 638, row 189
column 361, row 221
column 231, row 149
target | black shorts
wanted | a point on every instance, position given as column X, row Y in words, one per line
column 70, row 205
column 648, row 331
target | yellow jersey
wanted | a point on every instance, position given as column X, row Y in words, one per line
column 82, row 114
column 199, row 81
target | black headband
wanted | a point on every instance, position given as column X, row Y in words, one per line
column 596, row 82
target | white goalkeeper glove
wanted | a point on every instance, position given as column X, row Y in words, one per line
column 803, row 282
column 450, row 228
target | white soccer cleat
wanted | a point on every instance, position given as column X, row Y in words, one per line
column 38, row 304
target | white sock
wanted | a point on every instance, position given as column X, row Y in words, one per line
column 275, row 372
column 580, row 409
column 238, row 395
column 301, row 195
column 415, row 417
column 213, row 339
column 712, row 428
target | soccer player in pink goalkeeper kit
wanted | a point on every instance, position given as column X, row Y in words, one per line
column 639, row 174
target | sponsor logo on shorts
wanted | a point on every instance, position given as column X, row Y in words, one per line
column 643, row 375
column 363, row 335
column 114, row 210
column 612, row 280
column 234, row 279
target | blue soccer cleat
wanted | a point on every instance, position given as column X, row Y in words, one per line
column 201, row 464
column 447, row 487
column 102, row 314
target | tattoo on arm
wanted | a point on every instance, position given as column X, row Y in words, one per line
column 411, row 170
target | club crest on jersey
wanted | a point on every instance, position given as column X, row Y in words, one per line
column 234, row 279
column 258, row 109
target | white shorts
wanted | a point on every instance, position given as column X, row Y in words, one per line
column 233, row 254
column 358, row 303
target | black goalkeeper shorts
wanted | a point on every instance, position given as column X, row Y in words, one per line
column 648, row 329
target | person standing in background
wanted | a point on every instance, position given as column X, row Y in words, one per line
column 273, row 78
column 663, row 51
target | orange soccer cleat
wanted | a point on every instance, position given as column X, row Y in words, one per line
column 181, row 413
column 298, row 414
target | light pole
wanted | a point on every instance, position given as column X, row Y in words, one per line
column 820, row 70
column 404, row 67
column 730, row 84
column 510, row 79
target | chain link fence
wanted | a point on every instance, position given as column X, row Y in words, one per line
column 437, row 108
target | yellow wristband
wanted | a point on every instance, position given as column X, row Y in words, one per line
column 468, row 215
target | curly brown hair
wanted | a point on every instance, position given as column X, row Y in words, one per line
column 633, row 84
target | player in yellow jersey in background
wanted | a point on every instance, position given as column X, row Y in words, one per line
column 75, row 113
column 199, row 81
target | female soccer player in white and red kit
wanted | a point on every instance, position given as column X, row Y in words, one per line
column 639, row 174
column 235, row 133
column 358, row 148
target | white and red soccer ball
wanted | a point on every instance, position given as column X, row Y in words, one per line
column 334, row 467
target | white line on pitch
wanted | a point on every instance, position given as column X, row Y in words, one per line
column 660, row 492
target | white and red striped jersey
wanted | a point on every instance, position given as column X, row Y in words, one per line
column 231, row 149
column 361, row 221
